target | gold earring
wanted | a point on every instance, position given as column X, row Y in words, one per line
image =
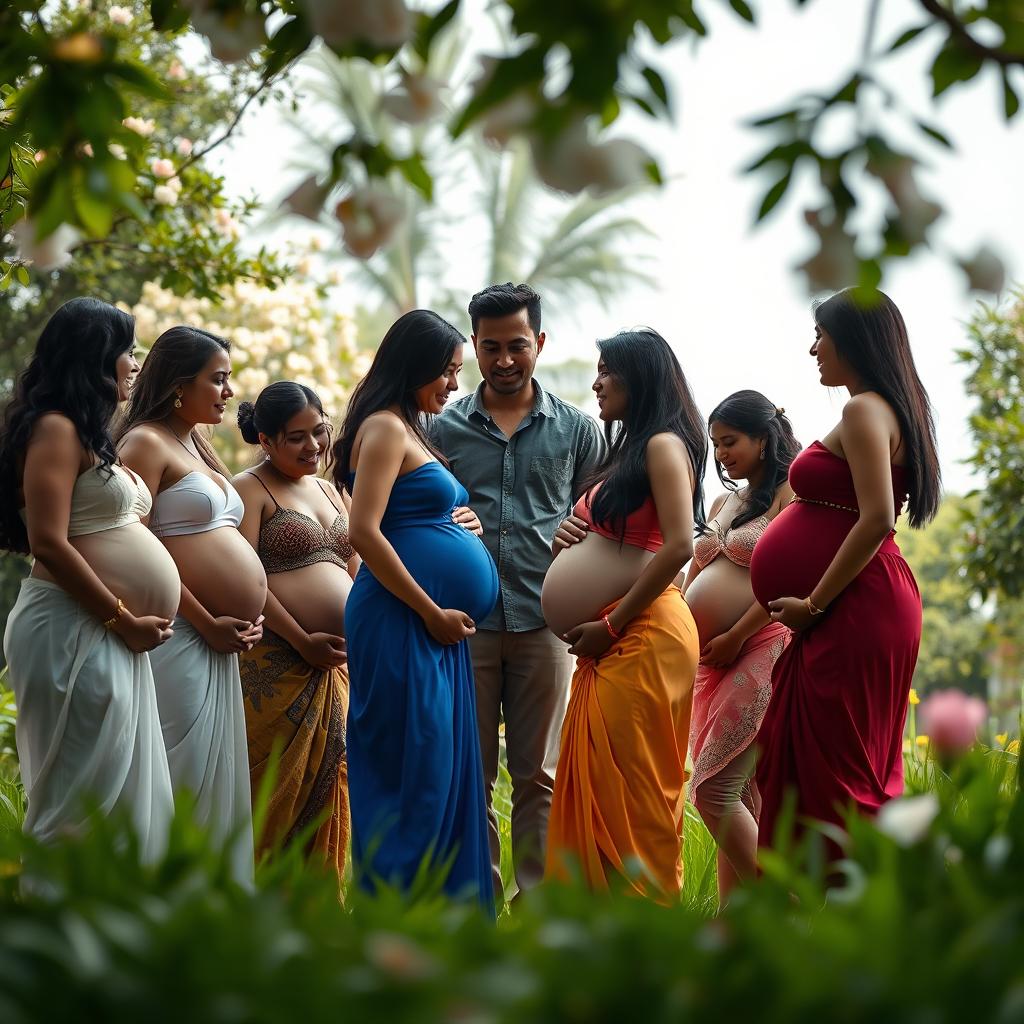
column 762, row 454
column 177, row 405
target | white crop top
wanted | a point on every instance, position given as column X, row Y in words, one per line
column 105, row 499
column 195, row 504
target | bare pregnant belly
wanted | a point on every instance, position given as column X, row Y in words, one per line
column 314, row 596
column 222, row 571
column 134, row 566
column 584, row 579
column 719, row 597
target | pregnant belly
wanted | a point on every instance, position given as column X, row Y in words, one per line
column 587, row 577
column 222, row 571
column 719, row 597
column 314, row 596
column 451, row 565
column 793, row 553
column 135, row 567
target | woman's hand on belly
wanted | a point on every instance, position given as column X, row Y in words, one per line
column 324, row 651
column 229, row 635
column 721, row 651
column 465, row 517
column 449, row 625
column 589, row 639
column 570, row 531
column 792, row 612
column 142, row 633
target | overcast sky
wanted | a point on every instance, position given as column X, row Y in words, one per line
column 727, row 296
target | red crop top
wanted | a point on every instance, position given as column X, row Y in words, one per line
column 642, row 529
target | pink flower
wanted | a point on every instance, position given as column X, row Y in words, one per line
column 162, row 168
column 183, row 146
column 176, row 72
column 952, row 719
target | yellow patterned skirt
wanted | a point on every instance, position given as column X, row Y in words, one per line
column 303, row 709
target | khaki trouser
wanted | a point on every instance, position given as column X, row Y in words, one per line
column 525, row 678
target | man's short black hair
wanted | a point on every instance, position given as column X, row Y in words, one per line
column 504, row 300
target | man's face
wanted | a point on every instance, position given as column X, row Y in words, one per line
column 506, row 351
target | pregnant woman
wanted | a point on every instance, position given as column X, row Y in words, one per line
column 102, row 590
column 196, row 513
column 829, row 568
column 619, row 793
column 294, row 680
column 753, row 441
column 415, row 778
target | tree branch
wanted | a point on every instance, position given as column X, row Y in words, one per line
column 959, row 31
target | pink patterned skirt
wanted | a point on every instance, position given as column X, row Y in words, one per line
column 729, row 703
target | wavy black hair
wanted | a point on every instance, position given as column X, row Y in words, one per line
column 750, row 413
column 660, row 402
column 871, row 337
column 417, row 349
column 505, row 300
column 176, row 358
column 73, row 372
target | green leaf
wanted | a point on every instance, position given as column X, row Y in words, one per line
column 141, row 79
column 907, row 37
column 774, row 195
column 1011, row 102
column 953, row 65
column 95, row 213
column 415, row 172
column 21, row 273
column 431, row 27
column 658, row 87
column 743, row 10
column 168, row 15
column 933, row 132
column 510, row 75
column 288, row 42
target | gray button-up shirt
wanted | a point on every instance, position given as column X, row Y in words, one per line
column 521, row 487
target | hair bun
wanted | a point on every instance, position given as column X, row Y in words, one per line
column 779, row 411
column 247, row 423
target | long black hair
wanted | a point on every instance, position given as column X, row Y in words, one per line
column 660, row 402
column 750, row 413
column 72, row 371
column 176, row 358
column 871, row 337
column 417, row 349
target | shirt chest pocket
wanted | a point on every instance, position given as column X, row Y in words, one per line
column 548, row 484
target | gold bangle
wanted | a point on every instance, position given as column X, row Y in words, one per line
column 116, row 617
column 812, row 607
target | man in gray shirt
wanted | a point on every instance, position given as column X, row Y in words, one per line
column 522, row 454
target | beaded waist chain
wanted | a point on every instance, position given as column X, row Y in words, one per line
column 827, row 504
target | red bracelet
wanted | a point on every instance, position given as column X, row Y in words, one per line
column 611, row 629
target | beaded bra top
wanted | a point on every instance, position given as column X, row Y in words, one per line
column 290, row 539
column 736, row 544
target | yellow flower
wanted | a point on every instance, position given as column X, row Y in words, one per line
column 1001, row 738
column 922, row 740
column 1014, row 747
column 914, row 699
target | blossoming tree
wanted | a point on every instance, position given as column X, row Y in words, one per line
column 286, row 333
column 560, row 83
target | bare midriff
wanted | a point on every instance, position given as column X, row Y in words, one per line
column 222, row 571
column 719, row 597
column 314, row 596
column 133, row 565
column 587, row 577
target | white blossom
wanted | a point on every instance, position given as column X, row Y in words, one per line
column 140, row 125
column 162, row 168
column 906, row 820
column 570, row 162
column 416, row 100
column 120, row 15
column 50, row 253
column 165, row 195
column 369, row 217
column 382, row 22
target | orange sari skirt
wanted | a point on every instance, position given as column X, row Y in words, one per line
column 617, row 811
column 303, row 709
